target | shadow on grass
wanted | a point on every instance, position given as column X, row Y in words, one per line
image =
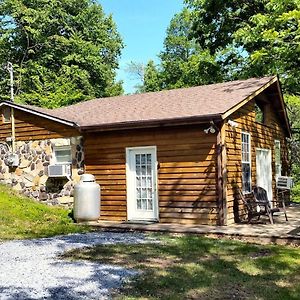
column 200, row 268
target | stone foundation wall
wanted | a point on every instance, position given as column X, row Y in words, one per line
column 31, row 176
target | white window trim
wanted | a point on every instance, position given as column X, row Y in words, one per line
column 63, row 148
column 247, row 162
column 280, row 162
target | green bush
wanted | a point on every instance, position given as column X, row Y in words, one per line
column 296, row 193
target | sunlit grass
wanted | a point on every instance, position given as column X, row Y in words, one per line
column 21, row 217
column 192, row 267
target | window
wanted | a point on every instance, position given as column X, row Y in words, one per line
column 277, row 158
column 259, row 113
column 246, row 162
column 63, row 155
column 6, row 115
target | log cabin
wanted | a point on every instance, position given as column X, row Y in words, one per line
column 172, row 156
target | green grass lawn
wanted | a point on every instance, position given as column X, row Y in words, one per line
column 192, row 267
column 21, row 217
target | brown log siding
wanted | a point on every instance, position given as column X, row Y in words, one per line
column 262, row 136
column 31, row 127
column 186, row 172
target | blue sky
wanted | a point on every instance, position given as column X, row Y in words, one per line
column 142, row 25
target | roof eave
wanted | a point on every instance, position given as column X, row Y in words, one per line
column 40, row 114
column 288, row 127
column 153, row 123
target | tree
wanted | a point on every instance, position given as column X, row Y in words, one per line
column 251, row 38
column 136, row 71
column 293, row 107
column 152, row 78
column 182, row 62
column 272, row 41
column 214, row 22
column 63, row 51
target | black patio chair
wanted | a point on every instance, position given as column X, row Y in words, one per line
column 255, row 208
column 261, row 195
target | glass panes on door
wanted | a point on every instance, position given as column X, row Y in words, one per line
column 144, row 182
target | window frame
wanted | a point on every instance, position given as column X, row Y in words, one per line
column 277, row 141
column 262, row 109
column 6, row 115
column 248, row 162
column 62, row 148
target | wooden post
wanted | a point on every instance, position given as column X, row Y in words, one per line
column 222, row 175
column 224, row 172
column 13, row 131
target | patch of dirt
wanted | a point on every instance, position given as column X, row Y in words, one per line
column 260, row 253
column 161, row 263
column 288, row 282
column 228, row 292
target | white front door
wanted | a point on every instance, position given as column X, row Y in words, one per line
column 141, row 176
column 264, row 170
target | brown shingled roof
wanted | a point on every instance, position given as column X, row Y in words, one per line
column 196, row 103
column 184, row 103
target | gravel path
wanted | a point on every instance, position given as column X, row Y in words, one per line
column 30, row 269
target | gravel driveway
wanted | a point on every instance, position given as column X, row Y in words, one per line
column 30, row 269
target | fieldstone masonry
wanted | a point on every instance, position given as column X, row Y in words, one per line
column 31, row 176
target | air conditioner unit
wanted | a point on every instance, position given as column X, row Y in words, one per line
column 284, row 183
column 59, row 170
